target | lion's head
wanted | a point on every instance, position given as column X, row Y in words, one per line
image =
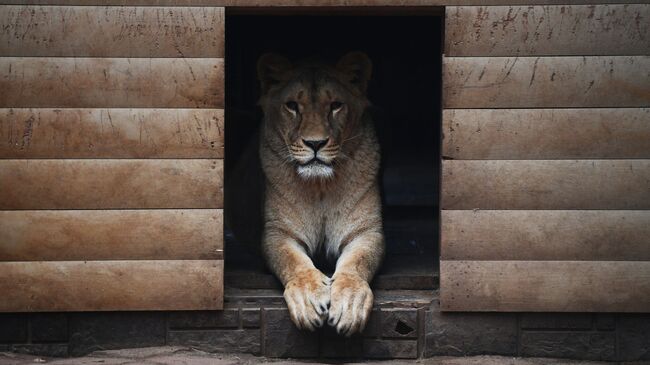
column 314, row 110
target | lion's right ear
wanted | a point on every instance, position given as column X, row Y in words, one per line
column 271, row 69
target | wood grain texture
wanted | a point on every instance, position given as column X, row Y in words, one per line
column 42, row 82
column 544, row 184
column 548, row 286
column 110, row 184
column 477, row 134
column 87, row 235
column 310, row 3
column 90, row 31
column 111, row 285
column 545, row 235
column 539, row 82
column 547, row 30
column 111, row 133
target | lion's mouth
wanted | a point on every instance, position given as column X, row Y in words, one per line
column 315, row 161
column 315, row 168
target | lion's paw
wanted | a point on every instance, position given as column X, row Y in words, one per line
column 308, row 297
column 351, row 304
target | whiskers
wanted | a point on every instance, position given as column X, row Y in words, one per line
column 288, row 156
column 341, row 156
column 351, row 138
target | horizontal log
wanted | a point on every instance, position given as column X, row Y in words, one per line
column 111, row 285
column 69, row 235
column 559, row 235
column 544, row 184
column 540, row 82
column 545, row 286
column 111, row 133
column 530, row 134
column 110, row 184
column 547, row 30
column 90, row 31
column 42, row 82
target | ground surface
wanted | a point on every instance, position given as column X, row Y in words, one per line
column 187, row 356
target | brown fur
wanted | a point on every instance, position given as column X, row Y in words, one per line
column 333, row 204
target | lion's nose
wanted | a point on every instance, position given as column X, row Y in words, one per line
column 315, row 144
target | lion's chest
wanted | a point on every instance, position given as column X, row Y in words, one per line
column 325, row 220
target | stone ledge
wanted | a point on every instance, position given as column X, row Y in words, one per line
column 634, row 337
column 464, row 334
column 579, row 321
column 218, row 340
column 575, row 345
column 403, row 324
column 226, row 318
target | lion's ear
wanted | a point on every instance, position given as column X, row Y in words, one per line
column 357, row 67
column 271, row 69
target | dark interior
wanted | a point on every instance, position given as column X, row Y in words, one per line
column 405, row 90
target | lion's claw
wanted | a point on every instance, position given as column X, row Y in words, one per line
column 351, row 304
column 308, row 297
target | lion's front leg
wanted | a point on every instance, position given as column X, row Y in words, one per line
column 306, row 289
column 351, row 297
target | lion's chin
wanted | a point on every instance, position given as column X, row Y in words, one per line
column 315, row 171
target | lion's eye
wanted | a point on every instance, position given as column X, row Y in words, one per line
column 292, row 106
column 335, row 106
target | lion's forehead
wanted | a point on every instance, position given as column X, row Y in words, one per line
column 313, row 82
column 314, row 91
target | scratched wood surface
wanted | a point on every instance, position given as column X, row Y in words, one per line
column 90, row 235
column 126, row 31
column 553, row 286
column 33, row 82
column 547, row 30
column 111, row 157
column 546, row 178
column 529, row 134
column 546, row 184
column 111, row 184
column 111, row 285
column 546, row 82
column 538, row 235
column 111, row 133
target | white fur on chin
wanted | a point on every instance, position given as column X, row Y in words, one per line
column 313, row 171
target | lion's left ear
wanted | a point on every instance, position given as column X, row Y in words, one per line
column 358, row 67
column 271, row 69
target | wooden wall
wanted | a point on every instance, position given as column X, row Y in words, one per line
column 111, row 148
column 546, row 170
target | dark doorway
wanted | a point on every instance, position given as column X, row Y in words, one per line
column 405, row 90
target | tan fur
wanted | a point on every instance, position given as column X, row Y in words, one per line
column 334, row 206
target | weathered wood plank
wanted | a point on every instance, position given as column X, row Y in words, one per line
column 111, row 184
column 90, row 31
column 538, row 82
column 111, row 133
column 310, row 3
column 87, row 235
column 544, row 184
column 545, row 235
column 111, row 285
column 548, row 286
column 513, row 134
column 547, row 30
column 33, row 82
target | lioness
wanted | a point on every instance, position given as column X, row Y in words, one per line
column 320, row 157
